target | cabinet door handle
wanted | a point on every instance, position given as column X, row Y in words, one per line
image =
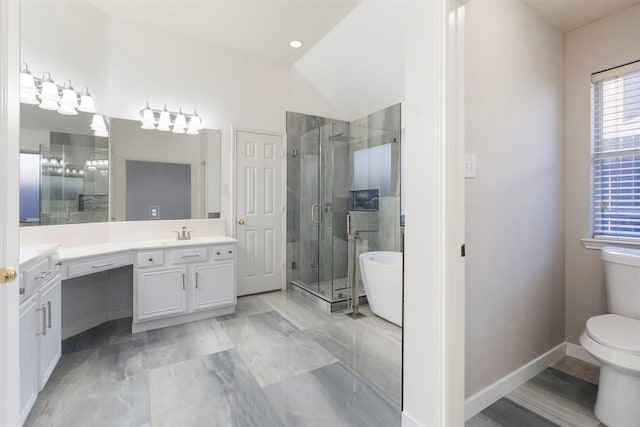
column 196, row 280
column 184, row 286
column 43, row 309
column 44, row 274
column 190, row 256
column 49, row 313
column 103, row 265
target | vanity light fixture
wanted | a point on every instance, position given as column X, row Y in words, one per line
column 48, row 95
column 165, row 120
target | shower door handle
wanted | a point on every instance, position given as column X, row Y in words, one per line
column 315, row 219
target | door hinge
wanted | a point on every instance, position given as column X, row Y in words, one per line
column 463, row 250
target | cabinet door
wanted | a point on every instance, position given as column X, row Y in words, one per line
column 50, row 345
column 161, row 293
column 30, row 326
column 214, row 286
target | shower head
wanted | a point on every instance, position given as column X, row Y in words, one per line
column 342, row 137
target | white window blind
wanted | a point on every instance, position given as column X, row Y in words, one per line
column 616, row 152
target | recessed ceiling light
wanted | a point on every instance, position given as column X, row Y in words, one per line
column 296, row 44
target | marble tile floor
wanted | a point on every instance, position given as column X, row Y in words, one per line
column 561, row 395
column 277, row 361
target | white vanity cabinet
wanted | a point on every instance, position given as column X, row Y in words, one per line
column 50, row 344
column 40, row 328
column 28, row 356
column 215, row 281
column 183, row 284
column 161, row 292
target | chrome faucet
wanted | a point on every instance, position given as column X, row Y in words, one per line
column 184, row 234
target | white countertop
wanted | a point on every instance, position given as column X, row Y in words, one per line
column 31, row 252
column 74, row 252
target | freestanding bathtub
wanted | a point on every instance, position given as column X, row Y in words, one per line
column 382, row 278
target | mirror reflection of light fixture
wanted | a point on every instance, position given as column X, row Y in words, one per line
column 63, row 99
column 165, row 120
column 99, row 126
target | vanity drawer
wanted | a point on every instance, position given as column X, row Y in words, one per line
column 180, row 256
column 224, row 252
column 84, row 266
column 35, row 275
column 149, row 259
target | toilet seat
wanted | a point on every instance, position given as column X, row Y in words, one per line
column 615, row 332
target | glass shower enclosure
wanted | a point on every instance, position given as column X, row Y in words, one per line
column 332, row 167
column 316, row 200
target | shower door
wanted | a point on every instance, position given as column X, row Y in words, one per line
column 316, row 249
column 305, row 263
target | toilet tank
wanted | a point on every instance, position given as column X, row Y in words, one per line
column 622, row 279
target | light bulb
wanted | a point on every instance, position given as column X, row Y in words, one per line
column 86, row 102
column 164, row 121
column 148, row 119
column 179, row 123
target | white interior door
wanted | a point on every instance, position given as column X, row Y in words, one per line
column 259, row 211
column 9, row 255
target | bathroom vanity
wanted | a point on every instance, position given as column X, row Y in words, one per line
column 172, row 282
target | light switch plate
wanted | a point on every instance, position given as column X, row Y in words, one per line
column 469, row 165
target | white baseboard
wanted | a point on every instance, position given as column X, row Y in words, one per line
column 496, row 391
column 579, row 352
column 409, row 421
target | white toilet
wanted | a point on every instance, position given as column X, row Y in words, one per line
column 614, row 340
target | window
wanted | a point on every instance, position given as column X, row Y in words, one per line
column 616, row 152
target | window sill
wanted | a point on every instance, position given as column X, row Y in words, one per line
column 599, row 243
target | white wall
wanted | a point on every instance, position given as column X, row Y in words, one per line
column 514, row 207
column 603, row 44
column 69, row 40
column 359, row 65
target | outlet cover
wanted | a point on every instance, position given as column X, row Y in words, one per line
column 154, row 212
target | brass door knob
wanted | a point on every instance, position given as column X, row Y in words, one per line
column 241, row 221
column 8, row 274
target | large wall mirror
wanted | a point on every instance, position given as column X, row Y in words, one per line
column 70, row 176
